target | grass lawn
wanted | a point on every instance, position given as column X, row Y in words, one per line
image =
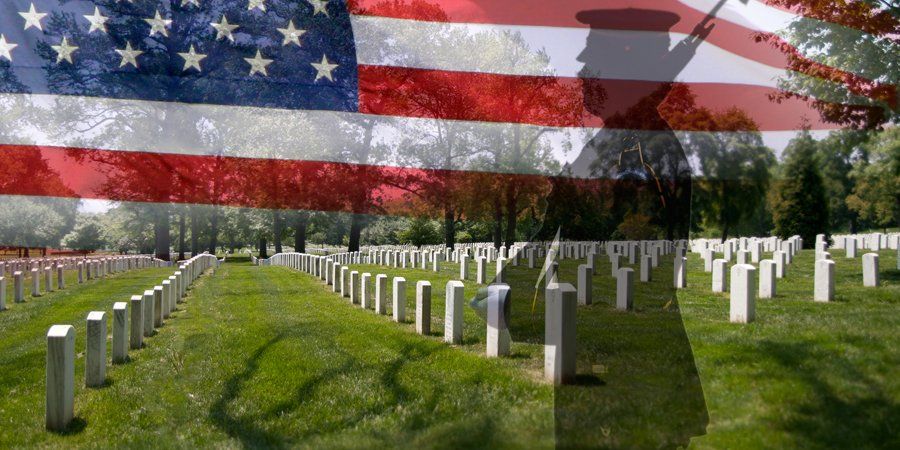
column 266, row 356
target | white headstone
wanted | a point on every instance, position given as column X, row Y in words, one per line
column 120, row 335
column 95, row 351
column 625, row 289
column 481, row 270
column 454, row 300
column 423, row 307
column 767, row 278
column 137, row 322
column 585, row 285
column 399, row 299
column 823, row 289
column 60, row 383
column 720, row 276
column 743, row 293
column 646, row 269
column 149, row 311
column 365, row 290
column 380, row 293
column 559, row 333
column 870, row 270
column 498, row 310
column 354, row 287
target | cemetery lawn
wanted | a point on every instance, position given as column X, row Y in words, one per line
column 270, row 357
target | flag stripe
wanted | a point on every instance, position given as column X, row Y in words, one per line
column 546, row 25
column 161, row 127
column 397, row 91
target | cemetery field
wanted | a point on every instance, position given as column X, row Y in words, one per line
column 271, row 357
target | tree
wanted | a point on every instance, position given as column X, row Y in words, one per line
column 87, row 235
column 876, row 195
column 800, row 205
column 421, row 232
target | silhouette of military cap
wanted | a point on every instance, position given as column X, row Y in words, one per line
column 628, row 19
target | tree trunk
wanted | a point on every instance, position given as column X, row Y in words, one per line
column 181, row 231
column 195, row 230
column 356, row 225
column 277, row 228
column 511, row 215
column 498, row 222
column 449, row 227
column 161, row 234
column 214, row 231
column 300, row 232
column 262, row 248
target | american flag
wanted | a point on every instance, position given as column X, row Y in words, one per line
column 296, row 103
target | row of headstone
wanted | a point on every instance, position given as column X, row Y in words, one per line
column 744, row 289
column 51, row 276
column 148, row 312
column 559, row 353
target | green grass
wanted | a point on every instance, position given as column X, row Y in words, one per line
column 269, row 357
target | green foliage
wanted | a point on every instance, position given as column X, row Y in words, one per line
column 876, row 195
column 636, row 226
column 800, row 207
column 87, row 235
column 36, row 221
column 421, row 231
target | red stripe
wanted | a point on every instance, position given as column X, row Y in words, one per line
column 226, row 181
column 765, row 48
column 559, row 102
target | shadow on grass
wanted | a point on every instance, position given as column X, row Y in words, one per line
column 862, row 417
column 252, row 434
column 76, row 426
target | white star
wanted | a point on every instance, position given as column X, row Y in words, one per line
column 64, row 51
column 98, row 21
column 260, row 4
column 192, row 59
column 158, row 25
column 319, row 6
column 190, row 2
column 224, row 29
column 33, row 18
column 6, row 48
column 324, row 69
column 291, row 34
column 258, row 64
column 129, row 56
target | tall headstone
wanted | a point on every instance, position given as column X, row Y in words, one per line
column 481, row 270
column 463, row 266
column 850, row 247
column 149, row 312
column 453, row 312
column 823, row 290
column 680, row 272
column 499, row 269
column 2, row 293
column 137, row 322
column 365, row 290
column 399, row 299
column 19, row 282
column 559, row 333
column 60, row 383
column 35, row 283
column 158, row 306
column 585, row 285
column 498, row 313
column 120, row 336
column 720, row 276
column 60, row 277
column 380, row 293
column 625, row 289
column 743, row 293
column 423, row 307
column 95, row 352
column 354, row 287
column 870, row 270
column 767, row 278
column 345, row 281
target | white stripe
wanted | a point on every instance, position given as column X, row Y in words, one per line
column 247, row 132
column 517, row 50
